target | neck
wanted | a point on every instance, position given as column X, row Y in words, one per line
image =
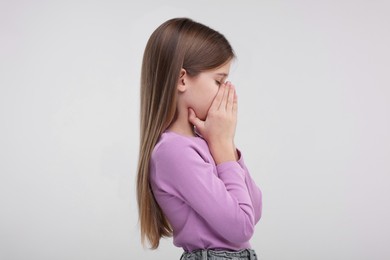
column 181, row 125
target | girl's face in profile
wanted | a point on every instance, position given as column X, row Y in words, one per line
column 203, row 88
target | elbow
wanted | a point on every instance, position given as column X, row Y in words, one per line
column 241, row 232
column 258, row 213
column 246, row 233
column 259, row 207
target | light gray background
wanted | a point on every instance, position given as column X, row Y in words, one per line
column 313, row 88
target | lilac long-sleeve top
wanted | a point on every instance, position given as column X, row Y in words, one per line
column 209, row 206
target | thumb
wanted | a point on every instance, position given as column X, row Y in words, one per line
column 199, row 124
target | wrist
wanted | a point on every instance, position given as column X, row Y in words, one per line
column 223, row 152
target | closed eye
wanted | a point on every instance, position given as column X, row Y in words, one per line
column 218, row 83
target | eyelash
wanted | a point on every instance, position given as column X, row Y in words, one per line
column 218, row 83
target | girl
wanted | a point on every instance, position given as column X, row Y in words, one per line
column 192, row 182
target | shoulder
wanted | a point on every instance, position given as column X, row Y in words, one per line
column 178, row 159
column 173, row 147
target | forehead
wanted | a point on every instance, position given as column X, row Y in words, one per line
column 222, row 71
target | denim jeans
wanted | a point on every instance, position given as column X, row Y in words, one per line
column 209, row 254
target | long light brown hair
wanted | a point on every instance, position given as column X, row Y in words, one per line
column 175, row 44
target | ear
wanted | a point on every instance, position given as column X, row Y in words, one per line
column 181, row 84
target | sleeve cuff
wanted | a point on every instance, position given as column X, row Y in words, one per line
column 231, row 168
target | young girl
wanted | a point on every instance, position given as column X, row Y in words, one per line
column 192, row 182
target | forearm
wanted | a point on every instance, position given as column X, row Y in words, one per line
column 223, row 152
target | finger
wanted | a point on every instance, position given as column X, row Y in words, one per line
column 194, row 119
column 218, row 98
column 225, row 96
column 235, row 103
column 230, row 100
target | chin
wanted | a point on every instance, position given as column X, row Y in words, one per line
column 202, row 117
column 201, row 114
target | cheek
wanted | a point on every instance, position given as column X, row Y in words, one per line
column 213, row 93
column 202, row 97
column 203, row 105
column 208, row 100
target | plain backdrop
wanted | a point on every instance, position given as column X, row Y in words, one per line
column 313, row 82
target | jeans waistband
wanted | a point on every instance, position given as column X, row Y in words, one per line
column 206, row 254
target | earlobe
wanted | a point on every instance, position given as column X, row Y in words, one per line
column 181, row 84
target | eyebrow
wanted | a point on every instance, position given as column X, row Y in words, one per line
column 223, row 74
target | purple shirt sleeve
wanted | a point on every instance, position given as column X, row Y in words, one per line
column 254, row 191
column 224, row 198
